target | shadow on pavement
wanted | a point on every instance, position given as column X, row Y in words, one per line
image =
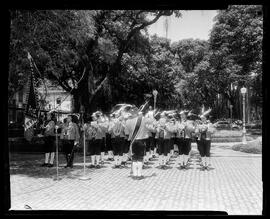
column 184, row 169
column 146, row 167
column 206, row 169
column 40, row 172
column 164, row 167
column 144, row 177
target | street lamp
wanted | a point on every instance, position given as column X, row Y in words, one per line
column 82, row 111
column 243, row 92
column 231, row 106
column 155, row 98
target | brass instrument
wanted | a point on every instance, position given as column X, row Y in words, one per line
column 118, row 127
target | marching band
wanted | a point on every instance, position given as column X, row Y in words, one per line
column 139, row 137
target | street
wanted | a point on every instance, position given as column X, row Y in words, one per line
column 233, row 184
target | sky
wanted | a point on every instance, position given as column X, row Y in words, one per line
column 194, row 24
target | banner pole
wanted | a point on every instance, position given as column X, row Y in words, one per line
column 57, row 154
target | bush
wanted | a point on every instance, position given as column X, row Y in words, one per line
column 254, row 147
column 227, row 133
column 229, row 136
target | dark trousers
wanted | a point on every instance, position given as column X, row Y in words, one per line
column 204, row 147
column 138, row 150
column 187, row 145
column 184, row 145
column 108, row 143
column 102, row 146
column 126, row 146
column 151, row 142
column 49, row 144
column 68, row 149
column 94, row 146
column 161, row 146
column 147, row 145
column 167, row 146
column 118, row 145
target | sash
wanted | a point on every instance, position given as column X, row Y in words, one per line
column 136, row 129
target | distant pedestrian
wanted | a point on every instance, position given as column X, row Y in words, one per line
column 70, row 138
column 49, row 138
column 117, row 131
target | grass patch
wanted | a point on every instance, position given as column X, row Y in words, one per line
column 230, row 139
column 254, row 147
column 227, row 133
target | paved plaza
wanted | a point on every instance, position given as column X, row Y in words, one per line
column 233, row 184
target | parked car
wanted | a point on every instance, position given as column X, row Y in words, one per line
column 222, row 125
column 226, row 124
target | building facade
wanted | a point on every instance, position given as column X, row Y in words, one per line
column 53, row 98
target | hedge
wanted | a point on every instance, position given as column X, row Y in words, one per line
column 254, row 146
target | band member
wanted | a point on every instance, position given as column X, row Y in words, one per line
column 109, row 139
column 168, row 134
column 161, row 143
column 117, row 131
column 179, row 139
column 150, row 143
column 104, row 125
column 49, row 138
column 125, row 150
column 156, row 140
column 70, row 138
column 126, row 141
column 90, row 134
column 197, row 135
column 205, row 129
column 138, row 145
column 188, row 129
column 99, row 130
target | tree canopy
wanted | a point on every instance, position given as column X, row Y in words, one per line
column 103, row 57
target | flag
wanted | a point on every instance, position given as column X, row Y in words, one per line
column 32, row 107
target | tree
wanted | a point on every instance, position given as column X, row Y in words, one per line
column 236, row 52
column 192, row 58
column 79, row 50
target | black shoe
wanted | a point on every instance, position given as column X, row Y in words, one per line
column 140, row 177
column 66, row 166
column 44, row 165
column 50, row 165
column 92, row 166
column 98, row 166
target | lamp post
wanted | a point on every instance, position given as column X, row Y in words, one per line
column 231, row 106
column 84, row 177
column 155, row 98
column 243, row 92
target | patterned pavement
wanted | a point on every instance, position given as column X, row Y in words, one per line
column 233, row 184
